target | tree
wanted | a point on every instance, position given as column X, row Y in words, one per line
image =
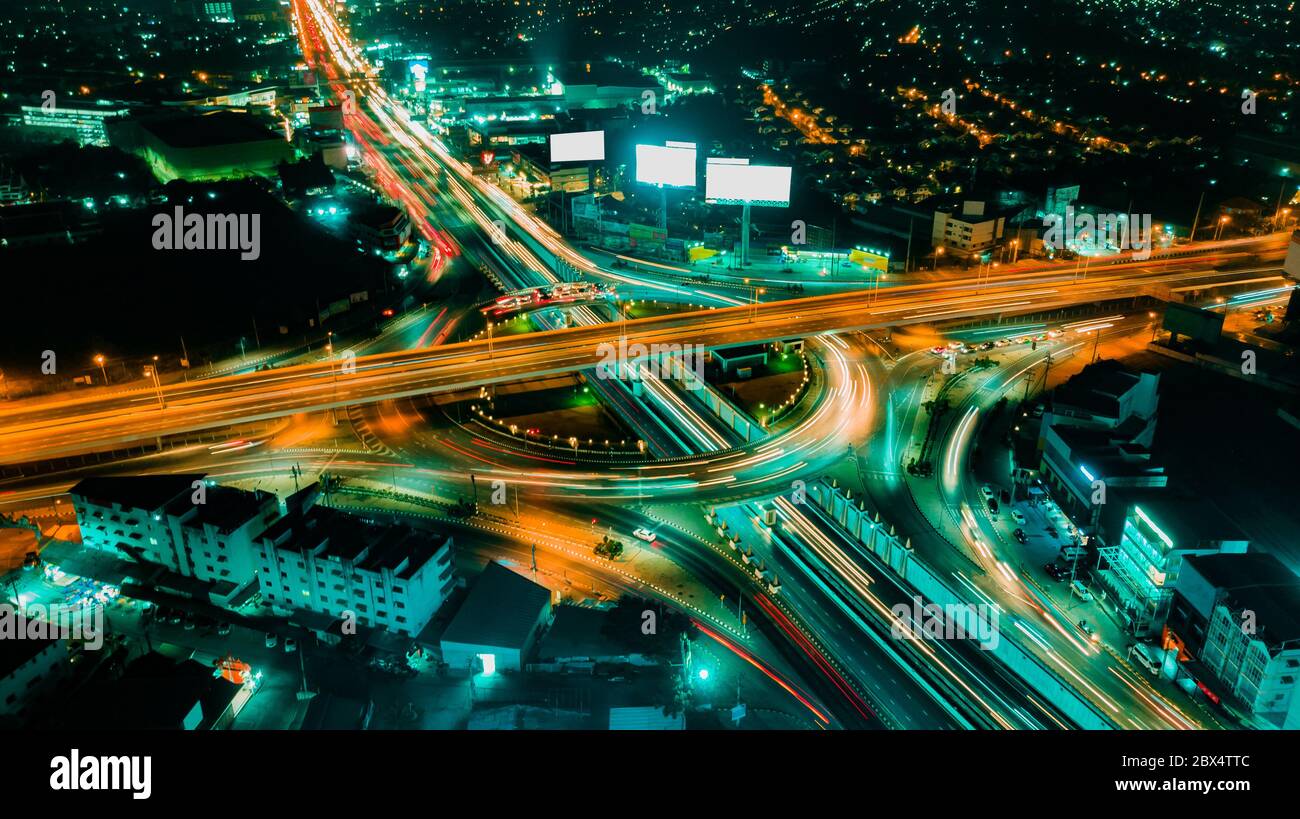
column 609, row 548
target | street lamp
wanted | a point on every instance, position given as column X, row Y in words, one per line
column 99, row 359
column 938, row 251
column 152, row 371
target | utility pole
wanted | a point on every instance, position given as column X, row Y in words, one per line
column 907, row 262
column 1196, row 218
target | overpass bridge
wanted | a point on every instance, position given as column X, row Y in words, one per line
column 33, row 430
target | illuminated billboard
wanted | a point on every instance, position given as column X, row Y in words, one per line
column 671, row 165
column 578, row 146
column 735, row 182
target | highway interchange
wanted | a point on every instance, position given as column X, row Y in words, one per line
column 824, row 635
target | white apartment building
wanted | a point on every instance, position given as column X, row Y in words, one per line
column 331, row 562
column 179, row 522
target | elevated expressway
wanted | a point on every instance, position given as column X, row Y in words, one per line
column 38, row 429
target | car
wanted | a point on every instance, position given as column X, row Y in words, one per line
column 1051, row 531
column 644, row 534
column 174, row 616
column 271, row 639
column 190, row 622
column 1080, row 591
column 1018, row 517
column 1006, row 496
column 1021, row 536
column 1147, row 656
column 1002, row 342
column 223, row 629
column 1056, row 571
column 986, row 491
column 939, row 351
column 290, row 645
column 993, row 507
column 1053, row 333
column 1089, row 630
column 988, row 345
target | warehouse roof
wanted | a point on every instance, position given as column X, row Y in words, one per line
column 500, row 610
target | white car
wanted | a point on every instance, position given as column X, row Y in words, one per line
column 644, row 534
column 1018, row 517
column 986, row 491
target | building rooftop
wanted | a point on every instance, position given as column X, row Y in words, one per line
column 648, row 718
column 499, row 611
column 577, row 632
column 1098, row 387
column 154, row 693
column 150, row 492
column 218, row 128
column 1188, row 520
column 18, row 652
column 1106, row 454
column 1258, row 582
column 367, row 546
column 609, row 74
column 226, row 508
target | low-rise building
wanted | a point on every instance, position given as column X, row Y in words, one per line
column 178, row 522
column 83, row 123
column 967, row 230
column 217, row 145
column 535, row 162
column 330, row 562
column 1107, row 395
column 379, row 227
column 1145, row 537
column 27, row 666
column 498, row 624
column 1081, row 465
column 1235, row 619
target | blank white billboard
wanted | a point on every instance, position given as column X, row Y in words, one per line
column 668, row 165
column 733, row 182
column 578, row 146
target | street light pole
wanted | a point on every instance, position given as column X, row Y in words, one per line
column 152, row 371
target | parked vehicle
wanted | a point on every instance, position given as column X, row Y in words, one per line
column 272, row 639
column 223, row 629
column 1021, row 536
column 1056, row 572
column 1147, row 656
column 290, row 645
column 1018, row 517
column 1080, row 591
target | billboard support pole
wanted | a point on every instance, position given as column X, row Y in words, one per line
column 744, row 235
column 663, row 208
